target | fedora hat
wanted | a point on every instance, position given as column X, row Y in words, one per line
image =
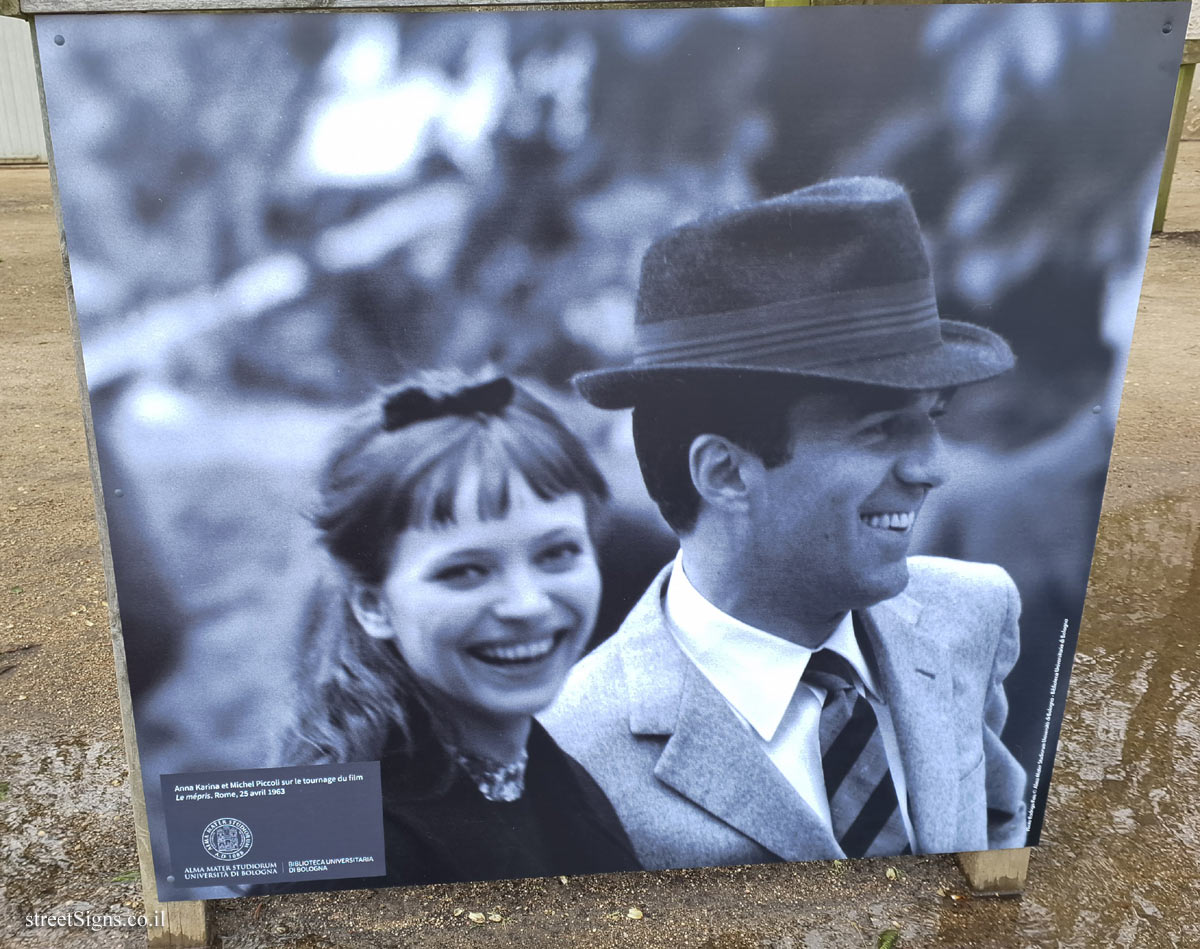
column 830, row 281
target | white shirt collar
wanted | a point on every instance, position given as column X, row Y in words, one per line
column 757, row 672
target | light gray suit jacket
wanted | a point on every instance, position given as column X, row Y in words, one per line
column 694, row 788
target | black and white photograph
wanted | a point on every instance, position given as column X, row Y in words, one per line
column 554, row 443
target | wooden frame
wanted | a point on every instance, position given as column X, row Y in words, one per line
column 184, row 924
column 1183, row 88
column 998, row 873
column 27, row 8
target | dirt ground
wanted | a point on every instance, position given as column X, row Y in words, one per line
column 1120, row 860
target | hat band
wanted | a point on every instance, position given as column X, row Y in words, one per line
column 867, row 323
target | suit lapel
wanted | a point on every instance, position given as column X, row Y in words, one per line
column 916, row 678
column 710, row 757
column 714, row 760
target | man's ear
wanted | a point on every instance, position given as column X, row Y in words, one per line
column 371, row 611
column 721, row 472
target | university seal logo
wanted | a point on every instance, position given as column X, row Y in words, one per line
column 227, row 839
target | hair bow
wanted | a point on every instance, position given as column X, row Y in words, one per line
column 409, row 406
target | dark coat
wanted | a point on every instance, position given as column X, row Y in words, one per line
column 562, row 824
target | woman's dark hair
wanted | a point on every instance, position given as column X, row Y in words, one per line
column 399, row 464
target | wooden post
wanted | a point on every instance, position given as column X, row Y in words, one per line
column 995, row 872
column 176, row 925
column 1183, row 87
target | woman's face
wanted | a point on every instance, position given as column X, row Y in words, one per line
column 492, row 614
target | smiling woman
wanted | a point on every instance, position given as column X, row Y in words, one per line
column 457, row 514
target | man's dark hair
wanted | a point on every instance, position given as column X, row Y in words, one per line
column 751, row 410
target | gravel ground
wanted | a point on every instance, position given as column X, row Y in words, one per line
column 1120, row 861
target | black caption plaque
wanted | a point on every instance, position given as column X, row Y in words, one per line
column 275, row 825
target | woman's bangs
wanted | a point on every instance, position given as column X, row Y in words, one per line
column 477, row 472
column 545, row 465
column 435, row 495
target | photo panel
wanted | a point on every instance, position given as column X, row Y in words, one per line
column 278, row 225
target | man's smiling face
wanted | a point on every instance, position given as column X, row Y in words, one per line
column 832, row 525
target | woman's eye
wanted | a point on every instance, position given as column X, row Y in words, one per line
column 462, row 575
column 561, row 555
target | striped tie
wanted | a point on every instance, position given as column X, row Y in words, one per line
column 862, row 798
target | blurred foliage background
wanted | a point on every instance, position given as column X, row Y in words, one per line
column 269, row 216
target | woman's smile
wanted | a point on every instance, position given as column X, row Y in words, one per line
column 524, row 653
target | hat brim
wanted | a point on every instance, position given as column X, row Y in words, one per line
column 967, row 354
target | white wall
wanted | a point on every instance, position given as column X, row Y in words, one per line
column 21, row 134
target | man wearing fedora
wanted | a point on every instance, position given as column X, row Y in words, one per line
column 794, row 686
